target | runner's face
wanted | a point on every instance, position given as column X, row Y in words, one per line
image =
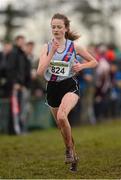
column 58, row 28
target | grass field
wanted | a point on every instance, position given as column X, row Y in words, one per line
column 41, row 154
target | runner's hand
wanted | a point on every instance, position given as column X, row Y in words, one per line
column 77, row 66
column 55, row 46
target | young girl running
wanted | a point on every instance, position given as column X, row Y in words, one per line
column 59, row 66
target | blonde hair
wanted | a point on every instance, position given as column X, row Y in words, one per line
column 69, row 34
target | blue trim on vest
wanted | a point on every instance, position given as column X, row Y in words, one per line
column 67, row 51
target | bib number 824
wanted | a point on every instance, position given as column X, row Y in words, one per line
column 57, row 70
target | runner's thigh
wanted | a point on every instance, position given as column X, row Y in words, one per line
column 68, row 102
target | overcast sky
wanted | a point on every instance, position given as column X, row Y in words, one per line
column 3, row 3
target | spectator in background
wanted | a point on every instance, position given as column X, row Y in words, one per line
column 115, row 92
column 110, row 54
column 100, row 52
column 26, row 90
column 102, row 88
column 87, row 115
column 29, row 49
column 118, row 55
column 86, row 86
column 5, row 84
column 118, row 85
column 21, row 79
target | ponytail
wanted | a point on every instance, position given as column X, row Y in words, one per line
column 71, row 35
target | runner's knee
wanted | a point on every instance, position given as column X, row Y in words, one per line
column 61, row 117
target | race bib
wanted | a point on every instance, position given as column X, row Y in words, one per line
column 60, row 68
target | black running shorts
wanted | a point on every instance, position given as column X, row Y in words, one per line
column 56, row 90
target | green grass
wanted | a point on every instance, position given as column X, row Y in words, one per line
column 41, row 154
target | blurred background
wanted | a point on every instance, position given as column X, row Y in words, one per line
column 24, row 28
